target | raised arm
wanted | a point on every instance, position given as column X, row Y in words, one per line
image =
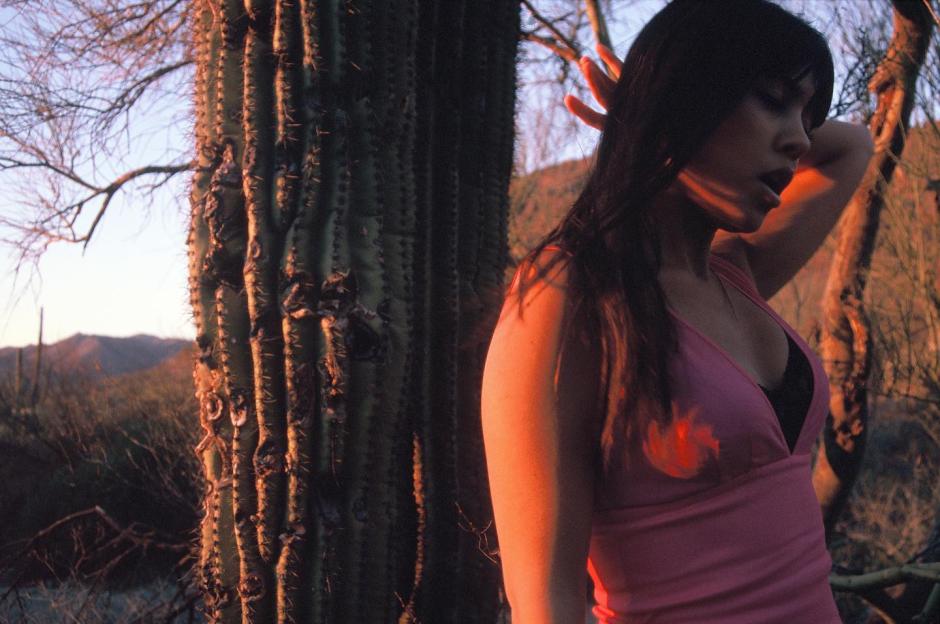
column 825, row 179
column 538, row 446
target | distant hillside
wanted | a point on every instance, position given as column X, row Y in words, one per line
column 170, row 381
column 539, row 200
column 97, row 356
column 175, row 369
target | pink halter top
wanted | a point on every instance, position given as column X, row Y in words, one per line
column 716, row 520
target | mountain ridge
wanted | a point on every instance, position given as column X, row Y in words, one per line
column 96, row 355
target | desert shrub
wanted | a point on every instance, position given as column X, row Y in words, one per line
column 123, row 445
column 162, row 601
column 892, row 512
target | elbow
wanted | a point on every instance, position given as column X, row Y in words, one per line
column 863, row 142
column 552, row 609
column 552, row 601
column 837, row 143
column 849, row 164
column 861, row 152
column 852, row 137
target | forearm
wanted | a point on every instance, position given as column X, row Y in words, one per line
column 824, row 183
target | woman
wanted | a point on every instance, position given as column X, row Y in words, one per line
column 647, row 418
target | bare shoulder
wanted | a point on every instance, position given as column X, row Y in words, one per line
column 540, row 320
column 542, row 281
column 541, row 313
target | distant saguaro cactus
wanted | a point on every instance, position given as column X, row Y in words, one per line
column 346, row 253
column 20, row 402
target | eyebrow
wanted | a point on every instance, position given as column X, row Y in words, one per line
column 792, row 87
column 793, row 83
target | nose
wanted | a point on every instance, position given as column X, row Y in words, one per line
column 794, row 140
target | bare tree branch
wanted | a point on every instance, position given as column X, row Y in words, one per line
column 76, row 79
column 562, row 45
column 933, row 12
column 566, row 52
column 68, row 214
column 598, row 23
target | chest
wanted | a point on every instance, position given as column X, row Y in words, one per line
column 722, row 427
column 736, row 325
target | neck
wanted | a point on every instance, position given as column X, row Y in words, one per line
column 685, row 235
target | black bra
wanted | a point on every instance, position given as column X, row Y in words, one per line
column 791, row 400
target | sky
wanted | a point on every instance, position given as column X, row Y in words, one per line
column 132, row 278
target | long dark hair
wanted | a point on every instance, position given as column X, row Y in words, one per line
column 689, row 67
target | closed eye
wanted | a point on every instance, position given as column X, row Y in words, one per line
column 772, row 102
column 779, row 104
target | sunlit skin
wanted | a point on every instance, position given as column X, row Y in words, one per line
column 718, row 205
column 788, row 235
column 768, row 131
column 720, row 189
column 539, row 443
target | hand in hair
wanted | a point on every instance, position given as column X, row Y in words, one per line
column 601, row 85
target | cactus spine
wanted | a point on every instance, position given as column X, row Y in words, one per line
column 346, row 251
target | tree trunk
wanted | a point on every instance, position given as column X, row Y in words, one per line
column 347, row 246
column 845, row 338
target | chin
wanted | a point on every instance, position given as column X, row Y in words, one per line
column 739, row 215
column 753, row 225
column 752, row 229
column 751, row 217
column 745, row 224
column 737, row 221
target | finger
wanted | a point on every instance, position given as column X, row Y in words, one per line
column 584, row 112
column 600, row 84
column 610, row 59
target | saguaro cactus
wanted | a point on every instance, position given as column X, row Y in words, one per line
column 346, row 249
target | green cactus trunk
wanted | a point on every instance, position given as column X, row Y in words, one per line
column 346, row 254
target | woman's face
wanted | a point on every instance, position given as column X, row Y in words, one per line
column 738, row 174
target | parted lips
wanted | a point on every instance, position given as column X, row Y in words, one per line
column 778, row 179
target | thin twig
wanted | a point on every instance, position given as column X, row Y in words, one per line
column 574, row 52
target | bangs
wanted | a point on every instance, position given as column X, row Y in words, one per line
column 789, row 54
